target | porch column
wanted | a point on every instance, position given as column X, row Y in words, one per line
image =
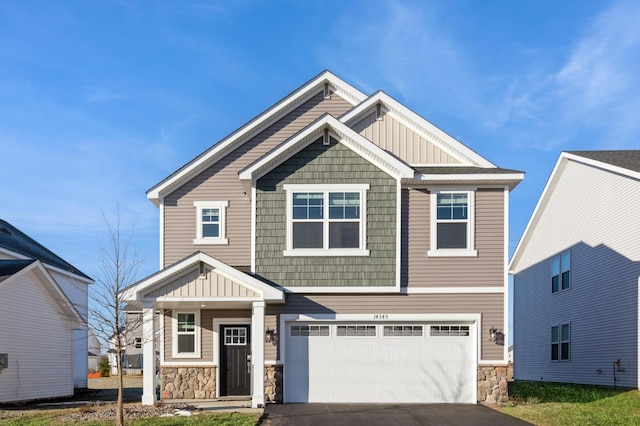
column 257, row 355
column 148, row 356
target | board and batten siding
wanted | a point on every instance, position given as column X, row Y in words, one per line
column 486, row 270
column 209, row 284
column 392, row 135
column 319, row 164
column 220, row 183
column 490, row 306
column 206, row 332
column 592, row 213
column 38, row 341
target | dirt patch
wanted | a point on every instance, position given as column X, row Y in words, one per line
column 95, row 403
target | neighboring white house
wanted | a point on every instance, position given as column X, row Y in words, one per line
column 576, row 274
column 94, row 349
column 43, row 312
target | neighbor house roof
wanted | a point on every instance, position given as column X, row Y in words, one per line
column 627, row 159
column 11, row 238
column 10, row 267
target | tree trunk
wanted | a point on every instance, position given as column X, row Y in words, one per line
column 119, row 404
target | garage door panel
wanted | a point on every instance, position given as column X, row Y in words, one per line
column 418, row 368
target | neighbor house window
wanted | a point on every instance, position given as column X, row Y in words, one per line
column 326, row 220
column 560, row 342
column 452, row 219
column 561, row 272
column 210, row 219
column 186, row 336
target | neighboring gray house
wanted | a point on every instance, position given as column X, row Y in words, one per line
column 576, row 274
column 336, row 248
column 94, row 353
column 43, row 318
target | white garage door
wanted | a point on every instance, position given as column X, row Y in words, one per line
column 372, row 362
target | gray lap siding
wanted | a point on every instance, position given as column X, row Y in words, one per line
column 319, row 164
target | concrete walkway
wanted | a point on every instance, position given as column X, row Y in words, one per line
column 224, row 405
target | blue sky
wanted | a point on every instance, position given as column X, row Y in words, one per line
column 100, row 100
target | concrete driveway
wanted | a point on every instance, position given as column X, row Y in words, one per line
column 384, row 415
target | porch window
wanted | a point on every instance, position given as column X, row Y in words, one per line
column 186, row 342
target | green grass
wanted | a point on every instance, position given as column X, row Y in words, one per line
column 563, row 404
column 223, row 419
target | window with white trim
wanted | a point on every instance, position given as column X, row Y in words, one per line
column 356, row 330
column 303, row 330
column 402, row 331
column 211, row 221
column 326, row 220
column 452, row 223
column 186, row 335
column 561, row 342
column 449, row 330
column 561, row 272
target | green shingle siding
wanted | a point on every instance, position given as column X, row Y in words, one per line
column 320, row 164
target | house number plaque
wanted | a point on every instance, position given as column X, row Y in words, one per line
column 380, row 316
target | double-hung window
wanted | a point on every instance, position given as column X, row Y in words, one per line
column 452, row 223
column 186, row 335
column 210, row 228
column 561, row 342
column 561, row 272
column 326, row 220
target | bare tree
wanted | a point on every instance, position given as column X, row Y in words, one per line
column 120, row 264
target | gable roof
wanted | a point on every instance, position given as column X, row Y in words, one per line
column 312, row 132
column 625, row 163
column 322, row 82
column 11, row 238
column 413, row 121
column 136, row 292
column 13, row 269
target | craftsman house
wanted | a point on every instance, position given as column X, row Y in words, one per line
column 576, row 274
column 336, row 248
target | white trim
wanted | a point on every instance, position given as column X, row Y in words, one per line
column 221, row 239
column 162, row 337
column 399, row 235
column 254, row 206
column 161, row 233
column 246, row 132
column 257, row 354
column 148, row 355
column 419, row 125
column 174, row 334
column 453, row 290
column 385, row 289
column 518, row 176
column 271, row 362
column 470, row 251
column 327, row 189
column 507, row 294
column 188, row 362
column 173, row 299
column 217, row 322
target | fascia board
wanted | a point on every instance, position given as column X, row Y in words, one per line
column 537, row 211
column 237, row 138
column 602, row 165
column 429, row 131
column 348, row 136
column 510, row 179
column 137, row 292
column 52, row 288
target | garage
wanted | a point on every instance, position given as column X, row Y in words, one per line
column 406, row 362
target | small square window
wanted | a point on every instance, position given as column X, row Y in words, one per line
column 210, row 227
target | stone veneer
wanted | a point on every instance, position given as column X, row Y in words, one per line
column 273, row 384
column 492, row 384
column 193, row 382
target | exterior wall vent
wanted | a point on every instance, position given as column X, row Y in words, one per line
column 326, row 139
column 327, row 91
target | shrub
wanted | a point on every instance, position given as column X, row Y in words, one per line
column 104, row 367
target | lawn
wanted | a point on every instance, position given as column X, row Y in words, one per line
column 562, row 404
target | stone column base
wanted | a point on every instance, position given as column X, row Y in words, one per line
column 192, row 382
column 273, row 384
column 492, row 384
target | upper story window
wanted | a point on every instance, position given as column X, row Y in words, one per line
column 561, row 342
column 561, row 272
column 452, row 223
column 326, row 220
column 210, row 217
column 186, row 335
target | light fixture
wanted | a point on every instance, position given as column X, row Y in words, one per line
column 270, row 335
column 493, row 334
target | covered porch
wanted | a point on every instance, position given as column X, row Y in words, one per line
column 209, row 330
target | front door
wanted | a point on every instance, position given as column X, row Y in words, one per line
column 235, row 360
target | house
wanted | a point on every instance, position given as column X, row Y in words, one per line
column 94, row 352
column 43, row 312
column 302, row 260
column 131, row 356
column 576, row 274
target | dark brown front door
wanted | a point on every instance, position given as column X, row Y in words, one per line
column 235, row 361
